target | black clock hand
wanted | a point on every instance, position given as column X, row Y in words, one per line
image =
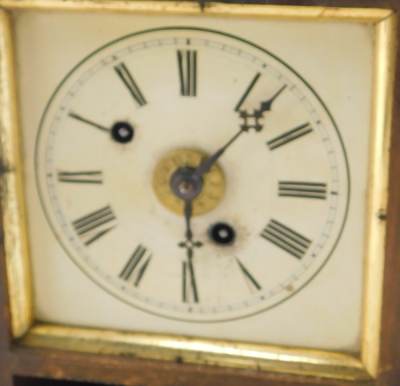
column 266, row 105
column 189, row 244
column 206, row 165
column 188, row 215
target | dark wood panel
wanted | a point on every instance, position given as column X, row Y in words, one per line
column 131, row 372
column 29, row 381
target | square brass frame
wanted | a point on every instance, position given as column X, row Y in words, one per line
column 212, row 352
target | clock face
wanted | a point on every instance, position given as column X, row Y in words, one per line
column 192, row 174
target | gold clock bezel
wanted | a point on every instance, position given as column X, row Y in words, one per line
column 200, row 351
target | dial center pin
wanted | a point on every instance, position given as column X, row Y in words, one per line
column 174, row 182
column 185, row 185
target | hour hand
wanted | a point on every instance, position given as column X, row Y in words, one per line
column 188, row 215
column 266, row 105
column 189, row 244
column 251, row 120
column 206, row 165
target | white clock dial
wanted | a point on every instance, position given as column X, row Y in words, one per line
column 269, row 213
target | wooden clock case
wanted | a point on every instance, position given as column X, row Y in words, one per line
column 24, row 366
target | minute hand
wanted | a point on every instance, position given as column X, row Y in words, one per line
column 206, row 165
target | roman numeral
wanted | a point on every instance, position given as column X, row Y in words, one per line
column 290, row 136
column 130, row 83
column 187, row 65
column 247, row 92
column 94, row 225
column 87, row 177
column 251, row 281
column 302, row 189
column 87, row 121
column 136, row 266
column 189, row 287
column 286, row 238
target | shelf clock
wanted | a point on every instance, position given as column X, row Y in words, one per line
column 199, row 194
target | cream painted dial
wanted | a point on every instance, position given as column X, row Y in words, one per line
column 283, row 167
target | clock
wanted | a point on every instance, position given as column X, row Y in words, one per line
column 192, row 174
column 198, row 186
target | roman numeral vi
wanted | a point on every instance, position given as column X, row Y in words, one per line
column 189, row 286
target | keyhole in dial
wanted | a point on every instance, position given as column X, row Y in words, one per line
column 222, row 234
column 122, row 132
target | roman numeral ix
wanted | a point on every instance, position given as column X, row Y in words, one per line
column 136, row 266
column 286, row 238
column 187, row 65
column 289, row 136
column 130, row 83
column 87, row 177
column 94, row 225
column 302, row 189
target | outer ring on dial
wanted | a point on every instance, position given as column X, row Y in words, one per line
column 340, row 140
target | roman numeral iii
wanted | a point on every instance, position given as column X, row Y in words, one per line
column 286, row 238
column 187, row 65
column 94, row 225
column 130, row 83
column 136, row 266
column 302, row 189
